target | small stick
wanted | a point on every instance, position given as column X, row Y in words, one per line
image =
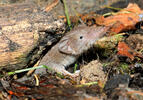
column 49, row 7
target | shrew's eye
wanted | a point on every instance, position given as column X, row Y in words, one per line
column 81, row 37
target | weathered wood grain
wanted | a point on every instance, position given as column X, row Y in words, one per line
column 23, row 28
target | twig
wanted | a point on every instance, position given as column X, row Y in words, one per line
column 49, row 7
column 113, row 8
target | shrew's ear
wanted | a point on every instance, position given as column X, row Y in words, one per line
column 68, row 47
column 69, row 43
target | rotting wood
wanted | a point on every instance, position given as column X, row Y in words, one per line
column 23, row 30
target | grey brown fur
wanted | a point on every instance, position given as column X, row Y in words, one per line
column 69, row 48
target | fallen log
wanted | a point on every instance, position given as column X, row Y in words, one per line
column 24, row 32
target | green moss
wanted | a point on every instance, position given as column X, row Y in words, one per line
column 124, row 68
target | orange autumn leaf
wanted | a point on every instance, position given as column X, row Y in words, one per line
column 124, row 50
column 16, row 94
column 125, row 19
column 10, row 92
column 22, row 88
column 133, row 7
column 86, row 18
